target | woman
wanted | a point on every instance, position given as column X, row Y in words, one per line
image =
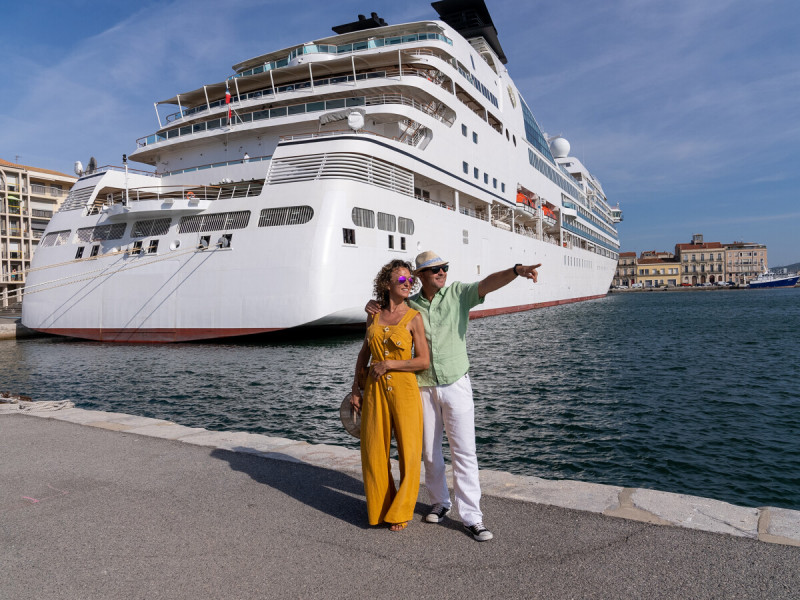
column 391, row 398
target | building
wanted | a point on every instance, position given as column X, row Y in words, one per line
column 657, row 271
column 701, row 262
column 625, row 275
column 29, row 197
column 744, row 261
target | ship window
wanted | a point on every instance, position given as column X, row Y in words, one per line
column 363, row 217
column 79, row 252
column 503, row 187
column 361, row 101
column 277, row 112
column 137, row 247
column 475, row 172
column 335, row 103
column 150, row 227
column 494, row 182
column 485, row 178
column 297, row 109
column 315, row 106
column 474, row 138
column 465, row 235
column 95, row 250
column 214, row 222
column 153, row 247
column 464, row 130
column 391, row 242
column 386, row 222
column 55, row 238
column 405, row 226
column 287, row 215
column 349, row 236
column 101, row 233
column 465, row 166
column 402, row 243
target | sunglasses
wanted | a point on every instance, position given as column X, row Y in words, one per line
column 435, row 270
column 403, row 279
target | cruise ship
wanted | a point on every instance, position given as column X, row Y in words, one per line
column 268, row 199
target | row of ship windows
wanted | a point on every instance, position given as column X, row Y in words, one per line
column 475, row 135
column 574, row 261
column 269, row 217
column 227, row 221
column 363, row 217
column 477, row 175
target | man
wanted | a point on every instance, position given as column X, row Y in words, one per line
column 445, row 387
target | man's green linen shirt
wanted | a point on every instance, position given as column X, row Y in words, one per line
column 445, row 320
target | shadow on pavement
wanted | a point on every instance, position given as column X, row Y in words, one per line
column 330, row 492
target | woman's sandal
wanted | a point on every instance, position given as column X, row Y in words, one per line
column 398, row 526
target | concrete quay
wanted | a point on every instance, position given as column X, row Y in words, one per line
column 13, row 329
column 109, row 505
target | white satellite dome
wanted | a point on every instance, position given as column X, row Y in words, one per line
column 559, row 147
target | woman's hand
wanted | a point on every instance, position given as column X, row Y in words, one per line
column 355, row 400
column 379, row 369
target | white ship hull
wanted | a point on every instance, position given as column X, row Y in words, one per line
column 295, row 253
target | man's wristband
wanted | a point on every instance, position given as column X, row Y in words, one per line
column 515, row 269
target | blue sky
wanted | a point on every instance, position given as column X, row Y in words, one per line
column 688, row 112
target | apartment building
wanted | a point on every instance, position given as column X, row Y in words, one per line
column 657, row 269
column 744, row 261
column 701, row 262
column 625, row 275
column 29, row 196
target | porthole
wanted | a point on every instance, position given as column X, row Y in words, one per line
column 175, row 245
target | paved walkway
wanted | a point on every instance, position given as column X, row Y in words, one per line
column 116, row 511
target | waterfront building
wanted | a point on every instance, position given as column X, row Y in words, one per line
column 701, row 262
column 29, row 196
column 744, row 261
column 657, row 271
column 625, row 274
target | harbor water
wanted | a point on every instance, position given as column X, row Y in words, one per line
column 694, row 393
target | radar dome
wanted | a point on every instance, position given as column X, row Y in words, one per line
column 559, row 147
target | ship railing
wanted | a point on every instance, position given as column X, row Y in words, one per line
column 335, row 133
column 438, row 112
column 169, row 194
column 105, row 168
column 432, row 109
column 307, row 84
column 216, row 165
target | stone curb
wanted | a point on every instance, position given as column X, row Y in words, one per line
column 767, row 524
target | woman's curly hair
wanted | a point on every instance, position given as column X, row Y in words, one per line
column 383, row 280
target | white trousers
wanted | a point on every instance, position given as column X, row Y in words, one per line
column 450, row 408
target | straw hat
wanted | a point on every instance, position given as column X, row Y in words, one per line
column 427, row 259
column 351, row 419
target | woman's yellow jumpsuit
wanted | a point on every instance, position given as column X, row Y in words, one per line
column 391, row 402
